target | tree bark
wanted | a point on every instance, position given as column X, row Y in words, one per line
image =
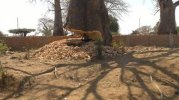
column 167, row 23
column 58, row 26
column 89, row 15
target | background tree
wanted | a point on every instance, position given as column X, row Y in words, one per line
column 167, row 23
column 114, row 7
column 23, row 32
column 58, row 25
column 155, row 28
column 144, row 30
column 113, row 24
column 1, row 34
column 135, row 32
column 45, row 26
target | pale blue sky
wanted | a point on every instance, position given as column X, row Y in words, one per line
column 138, row 9
column 29, row 14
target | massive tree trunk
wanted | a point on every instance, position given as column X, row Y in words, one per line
column 58, row 26
column 89, row 15
column 167, row 17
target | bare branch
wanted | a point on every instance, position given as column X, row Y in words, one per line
column 156, row 11
column 116, row 7
column 176, row 3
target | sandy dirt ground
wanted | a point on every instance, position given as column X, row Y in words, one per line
column 142, row 73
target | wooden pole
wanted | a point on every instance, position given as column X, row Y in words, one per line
column 17, row 22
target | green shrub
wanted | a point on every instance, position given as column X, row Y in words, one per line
column 119, row 45
column 3, row 48
column 99, row 49
column 2, row 74
column 1, row 70
column 6, row 79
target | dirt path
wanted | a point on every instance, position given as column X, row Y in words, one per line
column 142, row 73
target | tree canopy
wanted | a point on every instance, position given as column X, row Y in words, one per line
column 58, row 24
column 113, row 24
column 45, row 26
column 116, row 7
column 144, row 30
column 22, row 31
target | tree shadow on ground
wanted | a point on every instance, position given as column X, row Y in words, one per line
column 139, row 79
column 139, row 75
column 93, row 83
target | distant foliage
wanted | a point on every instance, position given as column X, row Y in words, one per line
column 117, row 7
column 144, row 30
column 1, row 34
column 23, row 31
column 45, row 26
column 177, row 29
column 114, row 26
column 135, row 32
column 155, row 28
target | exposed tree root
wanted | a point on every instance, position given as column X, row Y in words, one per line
column 156, row 86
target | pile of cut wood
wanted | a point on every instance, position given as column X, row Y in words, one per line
column 73, row 49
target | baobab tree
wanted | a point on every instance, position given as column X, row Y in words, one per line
column 89, row 15
column 58, row 25
column 114, row 7
column 167, row 23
